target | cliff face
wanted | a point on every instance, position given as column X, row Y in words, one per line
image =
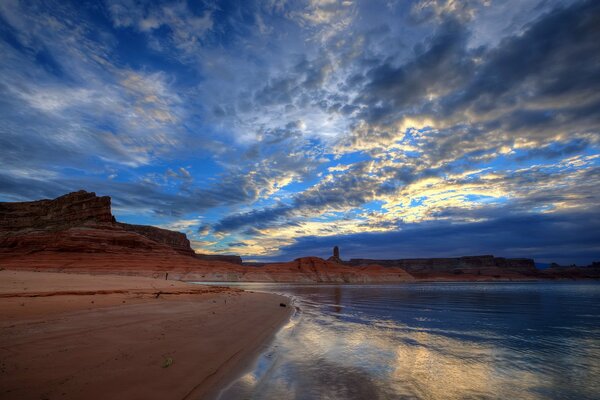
column 591, row 271
column 471, row 264
column 79, row 222
column 73, row 209
column 220, row 257
column 81, row 240
column 314, row 269
column 175, row 240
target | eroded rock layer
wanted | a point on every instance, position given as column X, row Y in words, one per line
column 179, row 267
column 470, row 264
column 73, row 209
column 220, row 257
column 315, row 269
column 80, row 222
column 176, row 240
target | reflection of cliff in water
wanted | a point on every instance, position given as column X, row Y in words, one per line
column 433, row 341
column 337, row 299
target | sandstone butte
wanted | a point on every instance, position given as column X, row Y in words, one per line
column 78, row 233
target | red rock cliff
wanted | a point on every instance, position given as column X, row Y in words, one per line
column 73, row 209
column 176, row 240
column 79, row 221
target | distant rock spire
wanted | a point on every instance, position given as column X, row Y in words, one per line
column 336, row 255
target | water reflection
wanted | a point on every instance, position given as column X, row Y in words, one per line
column 432, row 341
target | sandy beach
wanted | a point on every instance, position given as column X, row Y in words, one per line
column 67, row 336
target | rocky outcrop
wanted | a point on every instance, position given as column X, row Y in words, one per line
column 470, row 264
column 154, row 263
column 73, row 209
column 556, row 271
column 459, row 268
column 220, row 257
column 175, row 240
column 336, row 256
column 315, row 269
column 157, row 264
column 80, row 222
column 81, row 240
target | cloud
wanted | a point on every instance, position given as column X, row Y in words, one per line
column 281, row 120
column 432, row 196
column 553, row 59
column 180, row 174
column 84, row 102
column 541, row 84
column 187, row 29
column 441, row 10
column 560, row 237
column 433, row 73
column 350, row 189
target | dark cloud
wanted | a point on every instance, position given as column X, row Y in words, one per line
column 556, row 56
column 277, row 135
column 345, row 191
column 442, row 66
column 236, row 244
column 541, row 84
column 300, row 85
column 559, row 237
column 536, row 188
column 144, row 196
column 277, row 91
column 257, row 219
column 556, row 150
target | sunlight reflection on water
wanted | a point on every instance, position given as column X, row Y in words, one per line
column 432, row 341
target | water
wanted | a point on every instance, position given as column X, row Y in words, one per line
column 432, row 341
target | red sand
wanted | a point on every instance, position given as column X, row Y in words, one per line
column 96, row 337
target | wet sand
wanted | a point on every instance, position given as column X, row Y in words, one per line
column 67, row 336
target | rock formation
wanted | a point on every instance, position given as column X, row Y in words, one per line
column 556, row 271
column 229, row 258
column 79, row 222
column 73, row 209
column 315, row 269
column 486, row 265
column 336, row 256
column 175, row 240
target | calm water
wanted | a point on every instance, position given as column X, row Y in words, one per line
column 432, row 341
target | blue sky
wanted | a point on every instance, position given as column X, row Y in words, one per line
column 277, row 129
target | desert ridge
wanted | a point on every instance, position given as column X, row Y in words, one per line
column 77, row 233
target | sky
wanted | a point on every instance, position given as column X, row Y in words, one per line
column 278, row 129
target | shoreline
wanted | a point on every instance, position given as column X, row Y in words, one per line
column 83, row 336
column 242, row 363
column 415, row 282
column 247, row 363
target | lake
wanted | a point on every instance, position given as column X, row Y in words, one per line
column 431, row 341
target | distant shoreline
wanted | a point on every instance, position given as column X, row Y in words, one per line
column 416, row 282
